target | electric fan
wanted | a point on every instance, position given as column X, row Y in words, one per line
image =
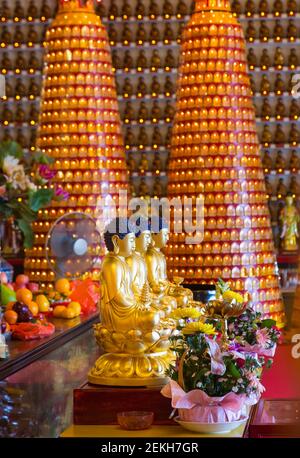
column 73, row 245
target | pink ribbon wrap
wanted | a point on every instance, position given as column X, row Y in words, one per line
column 196, row 405
column 259, row 350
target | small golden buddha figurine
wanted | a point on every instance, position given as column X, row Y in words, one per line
column 265, row 60
column 263, row 7
column 289, row 218
column 19, row 36
column 140, row 9
column 128, row 112
column 141, row 87
column 155, row 60
column 265, row 86
column 170, row 60
column 280, row 162
column 142, row 137
column 155, row 112
column 278, row 32
column 141, row 34
column 294, row 111
column 21, row 61
column 9, row 90
column 250, row 31
column 267, row 161
column 168, row 87
column 169, row 111
column 156, row 137
column 32, row 35
column 264, row 32
column 281, row 188
column 100, row 9
column 294, row 161
column 19, row 10
column 5, row 11
column 116, row 60
column 252, row 59
column 144, row 164
column 6, row 36
column 128, row 60
column 6, row 62
column 236, row 7
column 291, row 6
column 294, row 186
column 142, row 61
column 155, row 86
column 279, row 85
column 7, row 114
column 266, row 135
column 157, row 188
column 32, row 10
column 20, row 115
column 181, row 9
column 180, row 29
column 22, row 139
column 34, row 113
column 113, row 11
column 143, row 188
column 21, row 88
column 278, row 58
column 129, row 137
column 34, row 62
column 126, row 10
column 34, row 88
column 132, row 334
column 278, row 7
column 113, row 34
column 131, row 162
column 168, row 9
column 293, row 60
column 291, row 30
column 250, row 7
column 126, row 34
column 46, row 10
column 127, row 88
column 153, row 9
column 143, row 113
column 280, row 110
column 168, row 33
column 279, row 137
column 156, row 164
column 294, row 134
column 157, row 266
column 266, row 110
column 154, row 34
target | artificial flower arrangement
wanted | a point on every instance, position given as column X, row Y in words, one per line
column 25, row 186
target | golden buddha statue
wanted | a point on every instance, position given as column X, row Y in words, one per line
column 278, row 58
column 32, row 35
column 113, row 34
column 142, row 61
column 140, row 9
column 113, row 11
column 143, row 139
column 156, row 137
column 250, row 7
column 157, row 266
column 294, row 186
column 236, row 7
column 21, row 61
column 131, row 162
column 6, row 62
column 19, row 10
column 155, row 60
column 34, row 62
column 291, row 30
column 264, row 32
column 278, row 32
column 291, row 6
column 280, row 162
column 132, row 334
column 167, row 9
column 251, row 58
column 116, row 60
column 141, row 87
column 155, row 112
column 168, row 137
column 144, row 164
column 265, row 61
column 143, row 188
column 168, row 87
column 129, row 137
column 143, row 113
column 9, row 90
column 156, row 164
column 141, row 34
column 279, row 136
column 277, row 7
column 126, row 34
column 126, row 10
column 289, row 218
column 7, row 114
column 281, row 188
column 170, row 61
column 294, row 161
column 127, row 88
column 22, row 139
column 20, row 115
column 266, row 110
column 19, row 36
column 34, row 88
column 294, row 111
column 168, row 33
column 155, row 86
column 157, row 188
column 6, row 36
column 294, row 135
column 46, row 10
column 280, row 110
column 266, row 136
column 100, row 9
column 128, row 112
column 181, row 9
column 293, row 60
column 279, row 85
column 5, row 10
column 265, row 86
column 250, row 33
column 263, row 7
column 154, row 34
column 169, row 111
column 128, row 60
column 267, row 161
column 153, row 9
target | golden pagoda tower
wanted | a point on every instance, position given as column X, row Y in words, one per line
column 79, row 124
column 215, row 152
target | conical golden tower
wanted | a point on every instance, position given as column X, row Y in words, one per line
column 215, row 152
column 79, row 122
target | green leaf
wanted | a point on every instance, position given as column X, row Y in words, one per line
column 40, row 158
column 21, row 210
column 5, row 210
column 234, row 370
column 268, row 323
column 40, row 198
column 10, row 148
column 27, row 232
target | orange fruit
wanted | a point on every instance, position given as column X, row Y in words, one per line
column 24, row 295
column 33, row 307
column 9, row 305
column 62, row 286
column 58, row 310
column 76, row 307
column 68, row 313
column 11, row 316
column 42, row 303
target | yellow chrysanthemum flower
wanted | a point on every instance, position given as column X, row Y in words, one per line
column 199, row 326
column 185, row 312
column 229, row 296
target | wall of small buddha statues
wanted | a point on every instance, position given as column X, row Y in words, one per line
column 145, row 41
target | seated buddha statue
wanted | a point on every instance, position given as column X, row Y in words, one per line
column 143, row 188
column 141, row 87
column 155, row 86
column 113, row 34
column 34, row 88
column 19, row 10
column 126, row 10
column 157, row 190
column 267, row 161
column 46, row 10
column 129, row 112
column 5, row 11
column 265, row 85
column 22, row 139
column 34, row 62
column 265, row 60
column 116, row 60
column 294, row 161
column 168, row 137
column 113, row 11
column 169, row 86
column 156, row 137
column 278, row 32
column 263, row 7
column 264, row 32
column 250, row 31
column 236, row 7
column 21, row 88
column 293, row 60
column 278, row 58
column 279, row 136
column 169, row 111
column 132, row 334
column 266, row 134
column 127, row 88
column 170, row 59
column 142, row 61
column 294, row 110
column 157, row 266
column 6, row 36
column 291, row 6
column 32, row 35
column 280, row 110
column 251, row 57
column 281, row 188
column 143, row 139
column 9, row 90
column 126, row 34
column 129, row 137
column 181, row 9
column 6, row 62
column 250, row 7
column 279, row 85
column 141, row 34
column 168, row 33
column 154, row 34
column 20, row 115
column 153, row 9
column 156, row 164
column 143, row 113
column 21, row 61
column 128, row 60
column 278, row 7
column 280, row 161
column 131, row 162
column 294, row 186
column 100, row 9
column 266, row 110
column 140, row 9
column 155, row 60
column 291, row 30
column 167, row 9
column 155, row 112
column 294, row 134
column 144, row 164
column 19, row 36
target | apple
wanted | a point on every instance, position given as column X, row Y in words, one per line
column 33, row 287
column 22, row 280
column 3, row 277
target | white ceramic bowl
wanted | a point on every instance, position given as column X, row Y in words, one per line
column 211, row 428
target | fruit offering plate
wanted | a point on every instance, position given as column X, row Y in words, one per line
column 31, row 331
column 211, row 428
